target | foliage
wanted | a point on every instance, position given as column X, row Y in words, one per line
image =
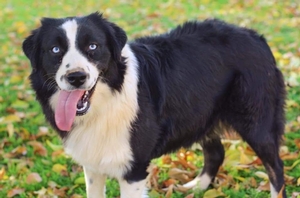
column 32, row 160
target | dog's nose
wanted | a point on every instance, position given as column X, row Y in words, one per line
column 76, row 78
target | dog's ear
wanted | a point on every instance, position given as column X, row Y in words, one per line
column 116, row 37
column 30, row 48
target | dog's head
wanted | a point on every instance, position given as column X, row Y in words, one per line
column 70, row 55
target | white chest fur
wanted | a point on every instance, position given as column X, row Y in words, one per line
column 100, row 140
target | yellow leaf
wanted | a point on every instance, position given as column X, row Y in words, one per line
column 79, row 180
column 244, row 159
column 262, row 175
column 213, row 193
column 2, row 173
column 10, row 119
column 10, row 129
column 54, row 146
column 58, row 168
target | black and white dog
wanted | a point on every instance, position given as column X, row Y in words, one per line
column 117, row 105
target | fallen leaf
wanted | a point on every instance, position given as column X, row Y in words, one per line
column 38, row 148
column 295, row 194
column 293, row 165
column 264, row 186
column 14, row 191
column 79, row 180
column 43, row 131
column 54, row 146
column 169, row 182
column 262, row 175
column 20, row 104
column 58, row 168
column 60, row 192
column 33, row 178
column 10, row 129
column 10, row 119
column 2, row 173
column 19, row 151
column 190, row 196
column 41, row 193
column 170, row 191
column 181, row 175
column 213, row 193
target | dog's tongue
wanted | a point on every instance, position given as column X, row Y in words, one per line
column 65, row 111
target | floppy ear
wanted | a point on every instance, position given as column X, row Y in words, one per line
column 117, row 40
column 30, row 48
column 116, row 37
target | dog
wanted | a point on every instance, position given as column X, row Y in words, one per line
column 117, row 104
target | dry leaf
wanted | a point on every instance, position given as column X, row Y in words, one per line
column 262, row 175
column 20, row 150
column 58, row 168
column 33, row 178
column 180, row 175
column 14, row 191
column 169, row 182
column 213, row 193
column 264, row 186
column 170, row 191
column 38, row 148
column 190, row 196
column 10, row 129
column 2, row 173
column 295, row 194
column 61, row 192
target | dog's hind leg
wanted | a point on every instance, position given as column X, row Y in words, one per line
column 213, row 158
column 266, row 148
column 95, row 184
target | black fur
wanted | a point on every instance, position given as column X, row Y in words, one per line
column 191, row 79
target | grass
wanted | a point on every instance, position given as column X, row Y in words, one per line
column 21, row 120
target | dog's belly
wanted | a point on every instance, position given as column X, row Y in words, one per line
column 101, row 147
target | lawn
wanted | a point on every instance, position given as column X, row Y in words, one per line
column 32, row 160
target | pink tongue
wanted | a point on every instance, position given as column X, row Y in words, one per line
column 65, row 111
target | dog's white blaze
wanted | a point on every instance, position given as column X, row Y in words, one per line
column 100, row 140
column 133, row 190
column 274, row 193
column 75, row 60
column 201, row 182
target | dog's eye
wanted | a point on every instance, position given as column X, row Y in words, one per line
column 92, row 46
column 55, row 50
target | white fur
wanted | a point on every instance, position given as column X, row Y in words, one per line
column 274, row 193
column 95, row 184
column 100, row 140
column 75, row 60
column 201, row 182
column 133, row 190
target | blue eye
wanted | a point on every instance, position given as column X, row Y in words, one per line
column 55, row 50
column 92, row 46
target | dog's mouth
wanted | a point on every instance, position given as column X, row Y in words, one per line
column 71, row 104
column 83, row 104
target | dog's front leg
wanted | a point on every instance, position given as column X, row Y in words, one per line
column 133, row 185
column 95, row 184
column 136, row 189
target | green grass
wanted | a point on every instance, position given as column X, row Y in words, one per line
column 21, row 117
